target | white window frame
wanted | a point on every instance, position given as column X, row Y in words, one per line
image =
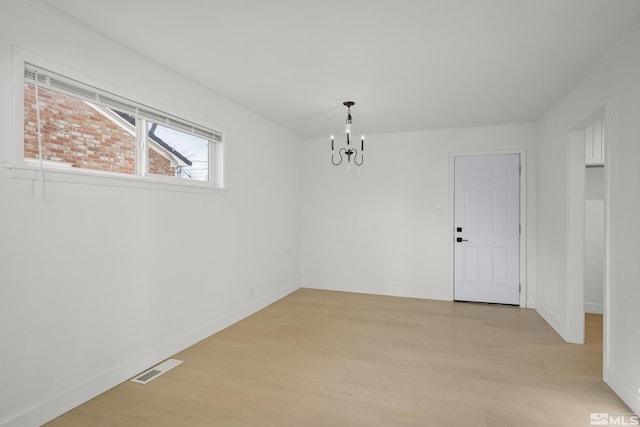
column 22, row 168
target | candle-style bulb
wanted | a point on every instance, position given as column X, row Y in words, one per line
column 331, row 142
column 362, row 143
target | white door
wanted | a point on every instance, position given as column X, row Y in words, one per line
column 487, row 228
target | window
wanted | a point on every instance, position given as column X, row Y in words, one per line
column 80, row 126
column 193, row 151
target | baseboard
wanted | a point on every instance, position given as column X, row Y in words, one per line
column 624, row 391
column 70, row 399
column 592, row 307
column 375, row 290
column 559, row 327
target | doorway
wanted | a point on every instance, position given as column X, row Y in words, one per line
column 487, row 228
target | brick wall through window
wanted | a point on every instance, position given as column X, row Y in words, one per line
column 75, row 133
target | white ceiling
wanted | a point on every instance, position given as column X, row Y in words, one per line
column 408, row 64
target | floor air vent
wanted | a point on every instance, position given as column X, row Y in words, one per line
column 156, row 371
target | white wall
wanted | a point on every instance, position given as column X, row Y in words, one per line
column 94, row 287
column 552, row 195
column 613, row 84
column 594, row 243
column 377, row 228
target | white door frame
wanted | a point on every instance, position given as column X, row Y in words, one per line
column 523, row 215
column 574, row 319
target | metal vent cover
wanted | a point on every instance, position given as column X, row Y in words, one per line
column 156, row 371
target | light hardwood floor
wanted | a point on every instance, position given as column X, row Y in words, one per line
column 318, row 358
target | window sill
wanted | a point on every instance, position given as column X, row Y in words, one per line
column 78, row 176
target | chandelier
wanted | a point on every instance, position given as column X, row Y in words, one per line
column 348, row 150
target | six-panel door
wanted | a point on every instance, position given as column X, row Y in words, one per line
column 487, row 228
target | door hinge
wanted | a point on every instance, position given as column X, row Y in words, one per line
column 520, row 287
column 519, row 228
column 520, row 170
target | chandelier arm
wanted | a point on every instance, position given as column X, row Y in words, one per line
column 355, row 158
column 340, row 154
